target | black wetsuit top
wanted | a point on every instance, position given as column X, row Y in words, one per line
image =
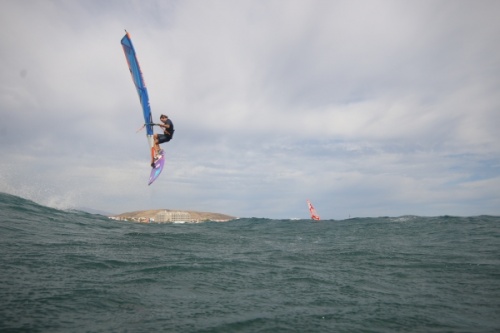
column 169, row 131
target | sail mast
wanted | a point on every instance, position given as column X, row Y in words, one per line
column 140, row 85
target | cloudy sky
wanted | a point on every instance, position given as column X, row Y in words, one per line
column 367, row 108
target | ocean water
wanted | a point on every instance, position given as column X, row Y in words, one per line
column 70, row 271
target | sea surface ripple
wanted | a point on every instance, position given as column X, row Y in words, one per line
column 69, row 271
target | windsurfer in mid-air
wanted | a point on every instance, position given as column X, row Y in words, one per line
column 168, row 133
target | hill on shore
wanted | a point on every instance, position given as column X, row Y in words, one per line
column 198, row 216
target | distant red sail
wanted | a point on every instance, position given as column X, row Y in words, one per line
column 314, row 215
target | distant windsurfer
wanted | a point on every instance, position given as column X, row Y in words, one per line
column 168, row 133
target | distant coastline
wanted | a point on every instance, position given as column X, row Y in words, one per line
column 171, row 216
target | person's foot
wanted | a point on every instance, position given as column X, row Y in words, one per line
column 153, row 164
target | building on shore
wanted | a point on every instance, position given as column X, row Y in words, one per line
column 173, row 216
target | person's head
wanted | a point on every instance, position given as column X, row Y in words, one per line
column 163, row 118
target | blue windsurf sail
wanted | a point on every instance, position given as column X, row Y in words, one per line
column 140, row 85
